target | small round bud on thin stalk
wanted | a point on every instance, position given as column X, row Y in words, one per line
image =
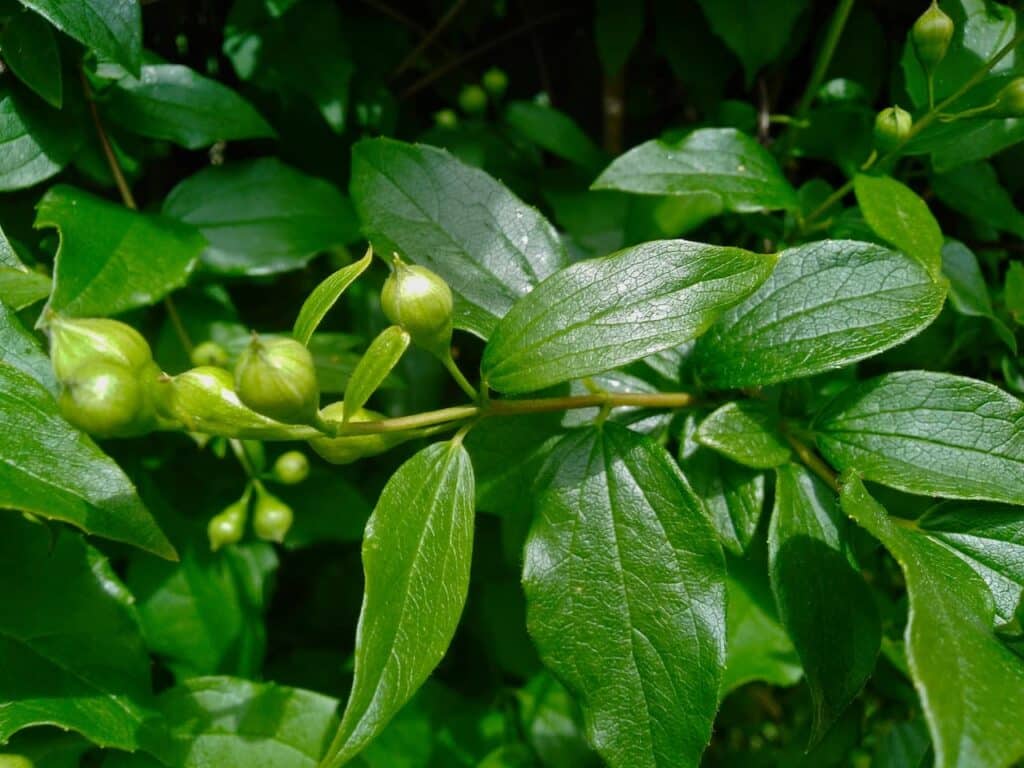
column 228, row 526
column 892, row 128
column 106, row 400
column 291, row 468
column 1010, row 101
column 446, row 118
column 473, row 99
column 277, row 378
column 75, row 341
column 349, row 448
column 495, row 82
column 421, row 302
column 931, row 35
column 272, row 518
column 210, row 353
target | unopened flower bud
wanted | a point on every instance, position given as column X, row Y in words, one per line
column 349, row 448
column 228, row 526
column 106, row 400
column 931, row 35
column 892, row 127
column 421, row 302
column 1010, row 101
column 210, row 353
column 75, row 341
column 272, row 518
column 291, row 468
column 277, row 378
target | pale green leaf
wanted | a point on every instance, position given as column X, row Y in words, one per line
column 325, row 295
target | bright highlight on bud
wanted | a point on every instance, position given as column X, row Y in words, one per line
column 421, row 302
column 228, row 526
column 272, row 518
column 291, row 468
column 277, row 378
column 76, row 341
column 106, row 400
column 892, row 128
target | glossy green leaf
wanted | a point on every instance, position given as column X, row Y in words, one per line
column 971, row 685
column 625, row 588
column 456, row 220
column 38, row 141
column 30, row 49
column 52, row 470
column 416, row 557
column 230, row 723
column 380, row 359
column 728, row 169
column 112, row 259
column 968, row 292
column 21, row 349
column 748, row 432
column 110, row 27
column 174, row 103
column 73, row 655
column 554, row 131
column 826, row 305
column 825, row 605
column 733, row 495
column 602, row 313
column 758, row 647
column 975, row 191
column 262, row 216
column 901, row 218
column 929, row 433
column 325, row 295
column 990, row 538
column 200, row 615
column 757, row 32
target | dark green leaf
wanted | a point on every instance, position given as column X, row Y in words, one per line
column 416, row 556
column 929, row 433
column 490, row 246
column 30, row 50
column 172, row 102
column 755, row 31
column 262, row 216
column 110, row 258
column 968, row 292
column 554, row 131
column 110, row 27
column 726, row 169
column 54, row 471
column 971, row 685
column 748, row 432
column 232, row 723
column 199, row 615
column 325, row 295
column 625, row 587
column 901, row 218
column 990, row 538
column 73, row 656
column 826, row 305
column 381, row 357
column 975, row 191
column 617, row 28
column 20, row 349
column 831, row 615
column 599, row 314
column 38, row 141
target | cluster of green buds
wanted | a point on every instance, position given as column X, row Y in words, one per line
column 271, row 518
column 474, row 97
column 107, row 376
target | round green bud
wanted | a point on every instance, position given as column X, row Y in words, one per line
column 473, row 99
column 495, row 82
column 446, row 118
column 271, row 518
column 210, row 353
column 75, row 341
column 228, row 526
column 892, row 128
column 420, row 302
column 931, row 35
column 1010, row 101
column 291, row 468
column 278, row 379
column 350, row 448
column 106, row 400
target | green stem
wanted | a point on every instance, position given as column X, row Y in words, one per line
column 813, row 461
column 449, row 363
column 926, row 119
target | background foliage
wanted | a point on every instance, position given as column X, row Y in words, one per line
column 838, row 579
